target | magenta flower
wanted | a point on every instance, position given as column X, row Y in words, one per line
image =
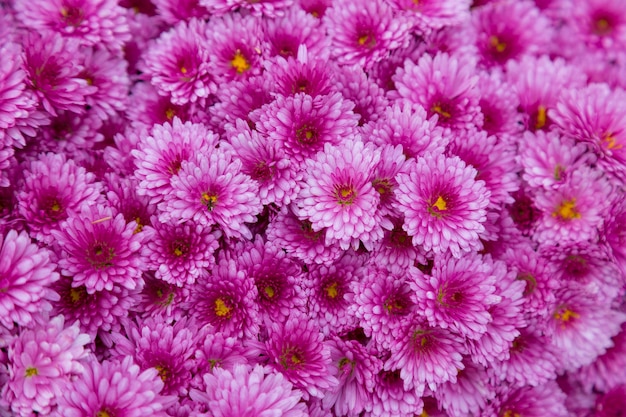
column 238, row 99
column 158, row 298
column 173, row 11
column 294, row 30
column 42, row 362
column 54, row 187
column 498, row 104
column 123, row 198
column 547, row 399
column 297, row 350
column 25, row 274
column 128, row 391
column 305, row 74
column 443, row 204
column 396, row 250
column 599, row 24
column 429, row 15
column 600, row 373
column 211, row 189
column 369, row 99
column 177, row 63
column 470, row 393
column 611, row 403
column 100, row 250
column 391, row 398
column 267, row 393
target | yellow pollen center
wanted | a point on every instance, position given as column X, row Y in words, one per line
column 441, row 204
column 511, row 413
column 221, row 309
column 331, row 290
column 209, row 200
column 542, row 118
column 558, row 172
column 295, row 359
column 177, row 251
column 183, row 70
column 102, row 413
column 308, row 134
column 565, row 315
column 162, row 372
column 239, row 62
column 55, row 206
column 30, row 372
column 269, row 291
column 76, row 294
column 603, row 27
column 170, row 113
column 497, row 44
column 441, row 112
column 139, row 227
column 424, row 414
column 567, row 210
column 610, row 142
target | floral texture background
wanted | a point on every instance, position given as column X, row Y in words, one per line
column 325, row 208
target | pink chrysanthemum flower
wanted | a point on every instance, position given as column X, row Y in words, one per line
column 363, row 33
column 265, row 161
column 226, row 300
column 396, row 250
column 469, row 394
column 316, row 8
column 177, row 63
column 123, row 198
column 575, row 211
column 426, row 356
column 545, row 400
column 101, row 311
column 267, row 393
column 430, row 15
column 169, row 349
column 444, row 206
column 368, row 98
column 498, row 104
column 549, row 159
column 212, row 190
column 408, row 125
column 297, row 350
column 600, row 374
column 330, row 294
column 174, row 11
column 158, row 298
column 392, row 162
column 581, row 327
column 118, row 155
column 299, row 240
column 235, row 46
column 100, row 250
column 458, row 293
column 391, row 399
column 506, row 30
column 292, row 31
column 337, row 194
column 25, row 274
column 238, row 99
column 91, row 22
column 178, row 253
column 444, row 85
column 304, row 124
column 356, row 368
column 42, row 362
column 128, row 391
column 53, row 72
column 305, row 74
column 276, row 276
column 595, row 114
column 158, row 157
column 53, row 187
column 599, row 24
column 611, row 403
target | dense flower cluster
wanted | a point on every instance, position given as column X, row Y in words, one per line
column 325, row 208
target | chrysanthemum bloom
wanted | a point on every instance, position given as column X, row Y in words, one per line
column 469, row 394
column 118, row 154
column 178, row 253
column 582, row 327
column 426, row 356
column 598, row 24
column 493, row 159
column 158, row 298
column 444, row 206
column 158, row 157
column 235, row 47
column 127, row 392
column 458, row 293
column 392, row 161
column 91, row 22
column 523, row 211
column 25, row 274
column 538, row 83
column 396, row 250
column 356, row 368
column 42, row 361
column 177, row 63
column 299, row 240
column 369, row 99
column 600, row 374
column 123, row 198
column 304, row 124
column 595, row 114
column 408, row 125
column 53, row 72
column 267, row 8
column 363, row 33
column 72, row 134
column 100, row 250
column 212, row 190
column 337, row 194
column 290, row 32
column 429, row 15
column 107, row 73
column 330, row 292
column 612, row 403
column 173, row 11
column 547, row 399
column 54, row 186
column 297, row 350
column 498, row 104
column 226, row 300
column 101, row 311
column 391, row 399
column 614, row 233
column 308, row 75
column 575, row 211
column 316, row 8
column 548, row 158
column 266, row 393
column 506, row 30
column 169, row 349
column 265, row 161
column 276, row 276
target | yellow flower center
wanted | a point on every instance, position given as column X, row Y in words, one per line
column 542, row 118
column 239, row 62
column 511, row 413
column 102, row 413
column 30, row 372
column 497, row 44
column 558, row 172
column 163, row 374
column 438, row 108
column 170, row 113
column 55, row 206
column 183, row 70
column 77, row 294
column 602, row 27
column 567, row 210
column 221, row 309
column 209, row 200
column 565, row 315
column 331, row 290
column 441, row 204
column 269, row 291
column 610, row 142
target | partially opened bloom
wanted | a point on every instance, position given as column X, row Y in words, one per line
column 306, row 74
column 245, row 392
column 42, row 362
column 114, row 388
column 211, row 189
column 158, row 298
column 443, row 205
column 100, row 250
column 297, row 349
column 337, row 194
column 25, row 274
